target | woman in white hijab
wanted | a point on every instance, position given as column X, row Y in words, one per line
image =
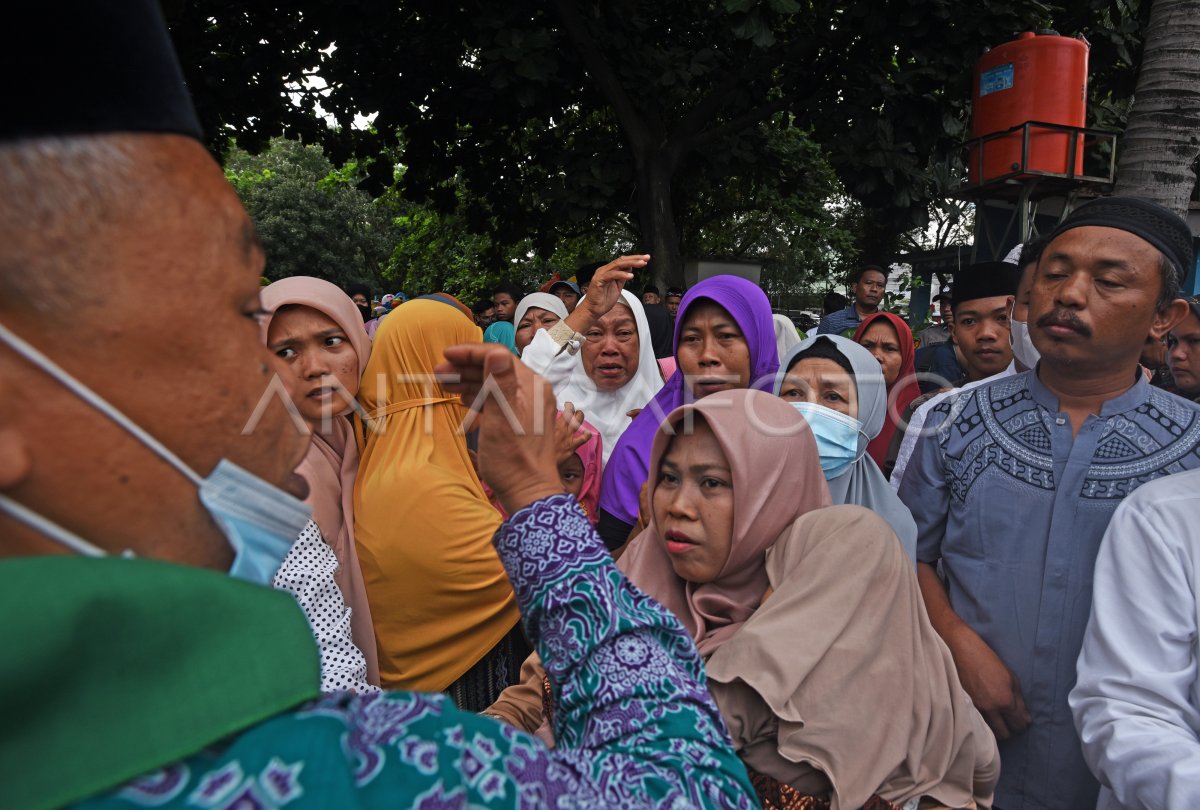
column 537, row 311
column 600, row 358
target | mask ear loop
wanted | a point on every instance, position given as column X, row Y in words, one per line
column 863, row 439
column 89, row 396
column 863, row 442
column 64, row 537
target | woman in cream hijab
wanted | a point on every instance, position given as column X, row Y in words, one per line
column 834, row 685
column 317, row 332
column 445, row 614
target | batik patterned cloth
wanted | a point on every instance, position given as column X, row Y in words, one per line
column 635, row 723
column 1014, row 506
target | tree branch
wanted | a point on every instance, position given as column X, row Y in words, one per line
column 741, row 122
column 603, row 75
column 708, row 107
column 712, row 104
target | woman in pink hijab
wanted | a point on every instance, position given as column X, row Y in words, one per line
column 817, row 647
column 580, row 474
column 763, row 462
column 815, row 638
column 317, row 333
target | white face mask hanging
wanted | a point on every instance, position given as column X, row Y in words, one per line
column 1022, row 343
column 260, row 521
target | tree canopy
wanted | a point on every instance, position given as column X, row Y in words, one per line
column 311, row 217
column 545, row 122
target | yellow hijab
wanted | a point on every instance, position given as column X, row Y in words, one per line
column 423, row 526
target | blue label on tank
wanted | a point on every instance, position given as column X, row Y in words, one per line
column 996, row 79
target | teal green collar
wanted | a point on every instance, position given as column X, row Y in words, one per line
column 113, row 667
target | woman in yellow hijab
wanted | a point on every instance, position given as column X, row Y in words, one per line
column 444, row 611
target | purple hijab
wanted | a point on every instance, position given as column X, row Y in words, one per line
column 629, row 464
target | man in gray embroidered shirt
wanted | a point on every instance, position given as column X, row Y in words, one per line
column 1013, row 483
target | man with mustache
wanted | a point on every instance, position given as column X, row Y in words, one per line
column 1014, row 482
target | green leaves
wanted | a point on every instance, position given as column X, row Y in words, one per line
column 310, row 215
column 519, row 131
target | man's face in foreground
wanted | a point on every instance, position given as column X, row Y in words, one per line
column 190, row 374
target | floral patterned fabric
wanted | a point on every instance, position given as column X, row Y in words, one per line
column 635, row 723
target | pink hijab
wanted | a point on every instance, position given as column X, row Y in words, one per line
column 332, row 460
column 592, row 456
column 591, row 453
column 776, row 478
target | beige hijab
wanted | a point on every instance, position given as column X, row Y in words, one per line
column 332, row 461
column 776, row 478
column 841, row 670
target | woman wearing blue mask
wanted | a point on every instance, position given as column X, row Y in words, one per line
column 839, row 388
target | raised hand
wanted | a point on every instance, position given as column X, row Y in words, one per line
column 604, row 291
column 567, row 434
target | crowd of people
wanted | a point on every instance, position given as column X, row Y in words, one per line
column 298, row 545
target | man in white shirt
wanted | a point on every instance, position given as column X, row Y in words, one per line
column 1136, row 702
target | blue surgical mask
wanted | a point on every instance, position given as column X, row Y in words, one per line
column 1022, row 344
column 260, row 521
column 836, row 435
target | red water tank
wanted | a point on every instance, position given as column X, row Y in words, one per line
column 1035, row 77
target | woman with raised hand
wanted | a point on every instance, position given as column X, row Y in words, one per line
column 720, row 538
column 600, row 358
column 839, row 388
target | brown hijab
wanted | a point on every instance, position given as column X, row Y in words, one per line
column 776, row 478
column 841, row 670
column 332, row 461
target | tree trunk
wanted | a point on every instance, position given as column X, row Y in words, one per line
column 656, row 215
column 1162, row 140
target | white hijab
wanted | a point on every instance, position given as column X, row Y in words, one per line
column 786, row 336
column 607, row 410
column 539, row 300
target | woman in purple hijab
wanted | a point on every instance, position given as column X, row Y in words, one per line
column 724, row 338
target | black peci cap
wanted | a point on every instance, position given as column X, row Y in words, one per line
column 984, row 280
column 89, row 67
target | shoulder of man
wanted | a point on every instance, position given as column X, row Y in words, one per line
column 963, row 402
column 1171, row 401
column 1183, row 414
